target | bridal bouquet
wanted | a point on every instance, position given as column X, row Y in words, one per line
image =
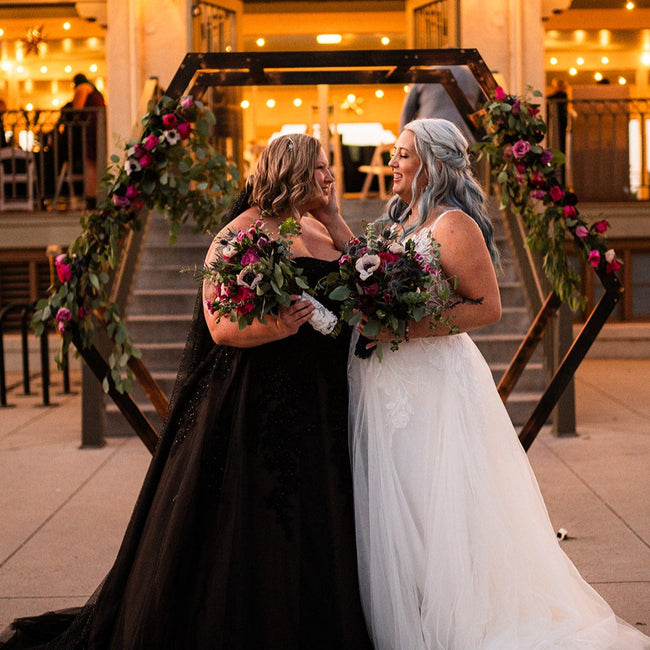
column 255, row 274
column 389, row 283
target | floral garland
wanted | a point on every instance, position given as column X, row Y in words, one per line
column 529, row 180
column 171, row 167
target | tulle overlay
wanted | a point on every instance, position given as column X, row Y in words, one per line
column 243, row 534
column 456, row 550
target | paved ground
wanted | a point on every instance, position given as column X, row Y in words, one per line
column 64, row 509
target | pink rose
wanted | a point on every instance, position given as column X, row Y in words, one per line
column 520, row 148
column 187, row 102
column 146, row 160
column 570, row 211
column 613, row 266
column 249, row 257
column 538, row 194
column 131, row 192
column 170, row 120
column 556, row 193
column 388, row 258
column 63, row 271
column 184, row 129
column 581, row 232
column 499, row 93
column 343, row 259
column 63, row 315
column 151, row 142
column 594, row 258
column 121, row 201
column 601, row 226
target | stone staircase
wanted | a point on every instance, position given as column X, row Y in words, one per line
column 160, row 309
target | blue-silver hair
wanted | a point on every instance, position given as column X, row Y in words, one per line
column 445, row 163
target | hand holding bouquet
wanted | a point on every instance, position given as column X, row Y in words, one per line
column 254, row 274
column 388, row 283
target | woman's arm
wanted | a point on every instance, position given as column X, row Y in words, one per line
column 465, row 256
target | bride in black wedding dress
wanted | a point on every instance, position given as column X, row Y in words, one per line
column 243, row 534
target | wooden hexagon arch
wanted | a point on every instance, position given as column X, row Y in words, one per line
column 200, row 71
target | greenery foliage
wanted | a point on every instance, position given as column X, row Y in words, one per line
column 173, row 168
column 528, row 176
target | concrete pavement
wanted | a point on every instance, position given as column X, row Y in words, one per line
column 64, row 509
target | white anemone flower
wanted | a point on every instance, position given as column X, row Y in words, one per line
column 248, row 278
column 172, row 136
column 367, row 264
column 131, row 166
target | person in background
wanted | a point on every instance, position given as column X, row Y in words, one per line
column 86, row 95
column 432, row 100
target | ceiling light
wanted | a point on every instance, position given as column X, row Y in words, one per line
column 553, row 60
column 645, row 58
column 573, row 72
column 2, row 32
column 93, row 67
column 44, row 69
column 605, row 60
column 385, row 40
column 598, row 76
column 379, row 93
column 629, row 5
column 622, row 81
column 580, row 61
column 270, row 103
column 66, row 26
column 297, row 102
column 260, row 42
column 245, row 103
column 329, row 39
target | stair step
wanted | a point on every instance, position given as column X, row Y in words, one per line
column 514, row 320
column 158, row 328
column 189, row 254
column 168, row 276
column 500, row 348
column 156, row 301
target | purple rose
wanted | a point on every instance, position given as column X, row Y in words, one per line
column 581, row 232
column 121, row 201
column 187, row 102
column 538, row 194
column 250, row 257
column 547, row 156
column 520, row 148
column 63, row 315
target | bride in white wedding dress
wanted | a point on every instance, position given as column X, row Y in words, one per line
column 456, row 550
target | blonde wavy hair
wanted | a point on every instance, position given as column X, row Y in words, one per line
column 284, row 176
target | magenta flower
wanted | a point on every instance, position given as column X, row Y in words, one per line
column 343, row 259
column 184, row 130
column 121, row 201
column 601, row 226
column 570, row 211
column 63, row 315
column 250, row 257
column 150, row 143
column 556, row 193
column 146, row 160
column 187, row 102
column 582, row 232
column 131, row 192
column 170, row 120
column 538, row 194
column 613, row 266
column 63, row 270
column 537, row 179
column 520, row 148
column 516, row 108
column 594, row 258
column 499, row 93
column 546, row 157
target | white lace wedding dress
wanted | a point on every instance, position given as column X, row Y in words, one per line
column 456, row 550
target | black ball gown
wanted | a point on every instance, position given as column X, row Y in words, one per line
column 243, row 534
